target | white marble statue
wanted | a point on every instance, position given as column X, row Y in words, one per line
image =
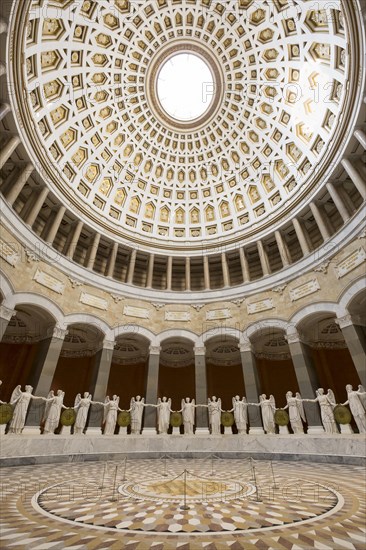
column 268, row 409
column 188, row 413
column 326, row 404
column 362, row 394
column 357, row 408
column 164, row 409
column 50, row 396
column 111, row 408
column 81, row 405
column 296, row 412
column 240, row 410
column 54, row 406
column 214, row 415
column 21, row 400
column 136, row 409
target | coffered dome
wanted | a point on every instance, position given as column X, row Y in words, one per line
column 96, row 125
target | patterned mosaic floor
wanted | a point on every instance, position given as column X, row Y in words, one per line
column 184, row 505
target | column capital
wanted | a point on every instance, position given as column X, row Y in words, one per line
column 199, row 350
column 109, row 344
column 6, row 313
column 57, row 332
column 154, row 350
column 245, row 346
column 293, row 337
column 345, row 321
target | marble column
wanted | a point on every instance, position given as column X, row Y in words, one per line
column 152, row 389
column 225, row 270
column 55, row 224
column 361, row 137
column 263, row 258
column 6, row 314
column 201, row 389
column 321, row 223
column 131, row 267
column 356, row 344
column 112, row 260
column 8, row 149
column 15, row 188
column 99, row 384
column 72, row 239
column 252, row 387
column 337, row 199
column 355, row 176
column 244, row 265
column 300, row 233
column 103, row 361
column 169, row 273
column 34, row 210
column 4, row 109
column 206, row 272
column 43, row 371
column 307, row 380
column 46, row 362
column 93, row 250
column 188, row 273
column 150, row 271
column 282, row 248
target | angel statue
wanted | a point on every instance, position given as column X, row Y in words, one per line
column 296, row 412
column 82, row 405
column 326, row 404
column 50, row 396
column 21, row 400
column 53, row 411
column 240, row 409
column 111, row 409
column 357, row 407
column 188, row 412
column 214, row 415
column 136, row 409
column 362, row 395
column 268, row 408
column 164, row 409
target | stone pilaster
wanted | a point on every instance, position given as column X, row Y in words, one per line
column 99, row 383
column 306, row 379
column 6, row 314
column 201, row 389
column 152, row 387
column 356, row 344
column 252, row 386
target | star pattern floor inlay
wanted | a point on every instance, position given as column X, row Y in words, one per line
column 183, row 504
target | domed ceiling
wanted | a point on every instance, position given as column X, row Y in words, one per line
column 97, row 128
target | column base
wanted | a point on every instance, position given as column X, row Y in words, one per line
column 122, row 430
column 314, row 430
column 31, row 430
column 346, row 429
column 149, row 431
column 228, row 430
column 202, row 431
column 256, row 430
column 93, row 431
column 175, row 431
column 283, row 430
